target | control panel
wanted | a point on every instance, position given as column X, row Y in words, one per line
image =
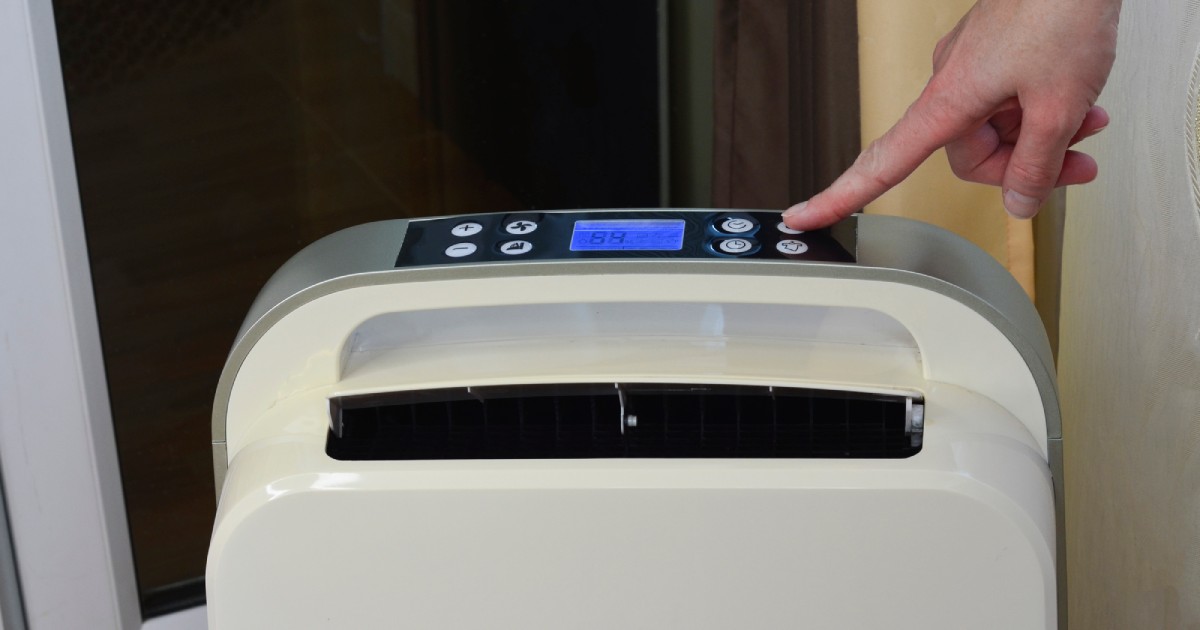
column 613, row 234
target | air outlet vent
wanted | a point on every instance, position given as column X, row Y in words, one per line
column 625, row 420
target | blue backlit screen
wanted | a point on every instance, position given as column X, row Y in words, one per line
column 628, row 235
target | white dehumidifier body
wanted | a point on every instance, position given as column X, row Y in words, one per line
column 638, row 419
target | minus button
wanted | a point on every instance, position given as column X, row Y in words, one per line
column 458, row 250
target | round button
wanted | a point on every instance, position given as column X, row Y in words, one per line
column 787, row 230
column 516, row 248
column 735, row 246
column 520, row 227
column 736, row 225
column 458, row 250
column 467, row 228
column 791, row 246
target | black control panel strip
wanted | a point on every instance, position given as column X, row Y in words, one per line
column 633, row 234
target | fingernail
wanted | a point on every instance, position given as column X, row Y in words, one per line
column 795, row 210
column 1020, row 206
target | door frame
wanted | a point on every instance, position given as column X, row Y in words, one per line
column 58, row 458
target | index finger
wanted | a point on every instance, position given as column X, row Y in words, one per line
column 929, row 124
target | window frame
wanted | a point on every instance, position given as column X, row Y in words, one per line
column 58, row 460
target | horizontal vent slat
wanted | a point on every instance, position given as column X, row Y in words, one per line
column 632, row 420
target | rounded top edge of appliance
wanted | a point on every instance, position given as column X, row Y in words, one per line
column 886, row 248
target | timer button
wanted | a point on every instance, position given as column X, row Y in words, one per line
column 516, row 248
column 458, row 250
column 466, row 228
column 736, row 225
column 791, row 246
column 735, row 246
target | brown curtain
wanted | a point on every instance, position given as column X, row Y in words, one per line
column 786, row 115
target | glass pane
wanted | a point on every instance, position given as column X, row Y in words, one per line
column 216, row 138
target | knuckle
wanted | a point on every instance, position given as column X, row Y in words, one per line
column 944, row 104
column 966, row 171
column 1060, row 121
column 979, row 177
column 872, row 166
column 1039, row 175
column 936, row 98
column 960, row 169
column 938, row 50
column 1058, row 117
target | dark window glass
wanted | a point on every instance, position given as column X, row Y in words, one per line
column 215, row 138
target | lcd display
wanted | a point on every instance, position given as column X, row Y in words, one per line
column 628, row 234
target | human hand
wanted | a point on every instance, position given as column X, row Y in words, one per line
column 1014, row 85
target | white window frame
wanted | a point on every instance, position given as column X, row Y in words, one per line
column 58, row 460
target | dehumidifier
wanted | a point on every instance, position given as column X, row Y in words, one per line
column 671, row 419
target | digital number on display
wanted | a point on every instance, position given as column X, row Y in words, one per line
column 627, row 235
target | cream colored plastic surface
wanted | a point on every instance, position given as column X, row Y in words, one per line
column 305, row 350
column 959, row 536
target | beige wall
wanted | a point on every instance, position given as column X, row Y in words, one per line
column 1129, row 359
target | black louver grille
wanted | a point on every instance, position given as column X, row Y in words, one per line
column 607, row 421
